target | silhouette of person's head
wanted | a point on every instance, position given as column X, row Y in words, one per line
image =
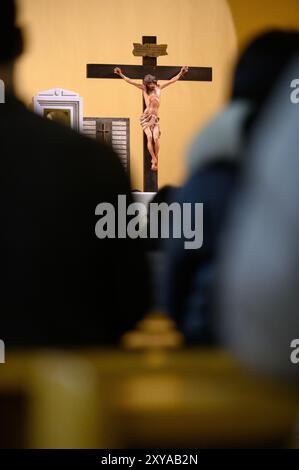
column 11, row 41
column 260, row 67
column 262, row 63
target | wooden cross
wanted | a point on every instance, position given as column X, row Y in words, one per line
column 105, row 133
column 149, row 66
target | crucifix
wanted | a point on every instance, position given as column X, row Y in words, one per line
column 149, row 50
column 105, row 133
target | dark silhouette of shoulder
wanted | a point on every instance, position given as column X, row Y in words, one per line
column 61, row 285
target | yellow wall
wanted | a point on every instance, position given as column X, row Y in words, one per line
column 64, row 35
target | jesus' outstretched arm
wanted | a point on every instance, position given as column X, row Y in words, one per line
column 182, row 72
column 118, row 71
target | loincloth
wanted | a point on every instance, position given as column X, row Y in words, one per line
column 149, row 120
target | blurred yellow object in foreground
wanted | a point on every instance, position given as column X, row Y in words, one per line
column 155, row 331
column 124, row 399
